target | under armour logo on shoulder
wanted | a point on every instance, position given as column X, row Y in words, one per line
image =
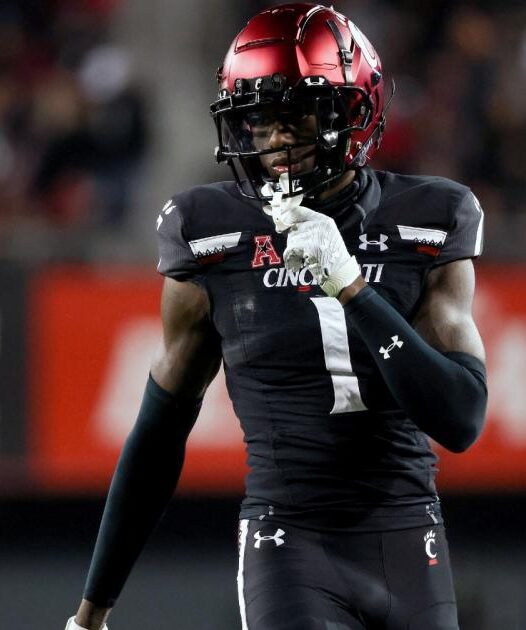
column 380, row 243
column 277, row 538
column 397, row 343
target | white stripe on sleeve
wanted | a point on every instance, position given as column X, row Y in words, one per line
column 480, row 229
column 243, row 531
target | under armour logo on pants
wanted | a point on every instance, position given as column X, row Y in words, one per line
column 277, row 538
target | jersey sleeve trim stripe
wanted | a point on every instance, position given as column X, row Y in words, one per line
column 201, row 246
column 412, row 233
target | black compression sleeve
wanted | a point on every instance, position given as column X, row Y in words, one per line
column 142, row 485
column 444, row 394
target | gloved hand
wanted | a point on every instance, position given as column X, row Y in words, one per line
column 313, row 241
column 73, row 625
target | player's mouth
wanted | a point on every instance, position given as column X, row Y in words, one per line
column 297, row 165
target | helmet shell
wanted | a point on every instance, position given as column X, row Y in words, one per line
column 296, row 41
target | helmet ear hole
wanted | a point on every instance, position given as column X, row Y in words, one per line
column 376, row 77
column 359, row 108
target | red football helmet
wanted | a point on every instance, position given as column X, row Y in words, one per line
column 312, row 72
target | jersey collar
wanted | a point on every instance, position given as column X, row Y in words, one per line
column 351, row 207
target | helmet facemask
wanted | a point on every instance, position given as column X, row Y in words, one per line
column 314, row 121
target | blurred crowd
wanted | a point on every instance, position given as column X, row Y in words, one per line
column 460, row 105
column 72, row 127
column 74, row 122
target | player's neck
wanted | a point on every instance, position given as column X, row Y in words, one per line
column 345, row 180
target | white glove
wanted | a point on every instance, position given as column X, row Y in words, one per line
column 73, row 625
column 281, row 210
column 313, row 241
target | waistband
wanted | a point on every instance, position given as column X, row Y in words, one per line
column 364, row 518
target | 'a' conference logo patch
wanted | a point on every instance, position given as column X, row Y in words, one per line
column 264, row 252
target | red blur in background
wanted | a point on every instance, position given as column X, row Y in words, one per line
column 91, row 340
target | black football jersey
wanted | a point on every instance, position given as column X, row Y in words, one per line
column 326, row 441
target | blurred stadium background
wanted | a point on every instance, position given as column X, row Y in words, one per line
column 103, row 116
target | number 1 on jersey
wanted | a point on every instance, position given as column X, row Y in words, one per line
column 337, row 355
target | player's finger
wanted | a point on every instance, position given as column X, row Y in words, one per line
column 293, row 258
column 316, row 269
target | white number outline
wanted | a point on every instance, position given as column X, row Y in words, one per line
column 347, row 397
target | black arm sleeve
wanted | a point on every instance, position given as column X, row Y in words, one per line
column 444, row 394
column 143, row 483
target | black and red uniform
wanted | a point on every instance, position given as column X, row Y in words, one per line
column 334, row 462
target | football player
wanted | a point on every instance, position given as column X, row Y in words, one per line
column 339, row 300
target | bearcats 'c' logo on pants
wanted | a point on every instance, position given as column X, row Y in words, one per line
column 264, row 251
column 430, row 542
